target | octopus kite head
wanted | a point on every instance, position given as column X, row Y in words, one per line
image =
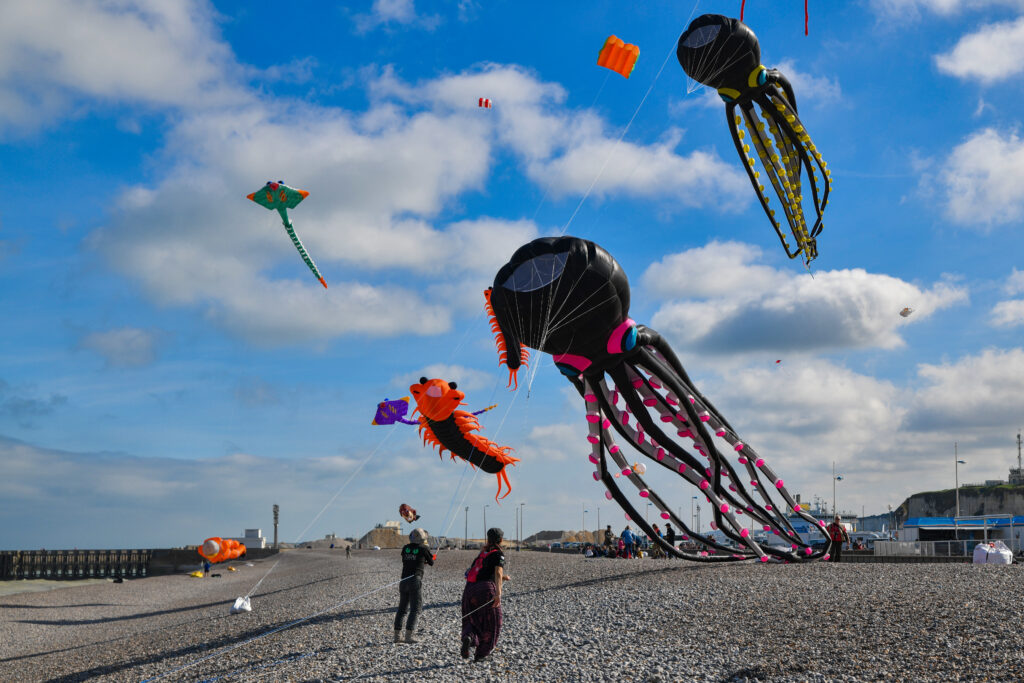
column 722, row 53
column 435, row 398
column 567, row 297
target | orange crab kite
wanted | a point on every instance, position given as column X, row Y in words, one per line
column 441, row 425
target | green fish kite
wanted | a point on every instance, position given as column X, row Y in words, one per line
column 281, row 197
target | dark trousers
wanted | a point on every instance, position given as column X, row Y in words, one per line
column 835, row 551
column 410, row 598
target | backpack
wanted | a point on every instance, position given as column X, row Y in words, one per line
column 478, row 564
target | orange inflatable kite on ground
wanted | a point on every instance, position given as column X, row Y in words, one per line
column 217, row 549
column 618, row 56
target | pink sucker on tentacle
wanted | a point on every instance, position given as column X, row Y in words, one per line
column 593, row 459
column 682, row 467
column 704, row 484
column 614, row 448
column 768, row 507
column 590, row 398
column 732, row 488
column 597, row 476
column 638, row 382
column 759, row 463
column 644, row 493
column 615, row 397
column 826, row 557
column 738, row 446
column 593, row 439
column 808, row 551
column 628, row 518
column 685, row 432
column 626, row 472
column 593, row 417
column 672, row 400
column 724, row 508
column 714, row 526
column 681, row 417
column 742, row 460
column 704, row 417
column 750, row 509
column 666, row 418
column 608, row 495
column 655, row 383
column 625, row 417
column 766, row 527
column 660, row 454
column 665, row 515
column 707, row 471
column 720, row 432
column 764, row 558
column 779, row 484
column 606, row 423
column 649, row 402
column 753, row 483
column 793, row 546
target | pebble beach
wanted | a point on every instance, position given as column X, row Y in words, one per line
column 319, row 616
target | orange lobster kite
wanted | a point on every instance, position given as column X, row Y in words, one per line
column 441, row 425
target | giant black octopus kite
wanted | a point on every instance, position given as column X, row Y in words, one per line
column 724, row 54
column 570, row 298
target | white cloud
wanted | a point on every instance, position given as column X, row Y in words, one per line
column 402, row 12
column 993, row 53
column 902, row 10
column 139, row 52
column 125, row 347
column 808, row 88
column 377, row 182
column 1008, row 313
column 974, row 393
column 1015, row 282
column 980, row 179
column 468, row 379
column 727, row 303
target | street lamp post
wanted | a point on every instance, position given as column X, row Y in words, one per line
column 647, row 512
column 835, row 510
column 522, row 524
column 517, row 528
column 485, row 522
column 698, row 518
column 465, row 535
column 956, row 476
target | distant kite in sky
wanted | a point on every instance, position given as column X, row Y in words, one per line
column 407, row 513
column 484, row 103
column 618, row 56
column 453, row 430
column 281, row 197
column 906, row 312
column 390, row 412
column 724, row 54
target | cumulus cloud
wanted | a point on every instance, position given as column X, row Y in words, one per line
column 809, row 88
column 1008, row 313
column 164, row 54
column 979, row 179
column 124, row 347
column 903, row 10
column 1015, row 282
column 378, row 182
column 468, row 379
column 401, row 12
column 975, row 392
column 732, row 303
column 993, row 53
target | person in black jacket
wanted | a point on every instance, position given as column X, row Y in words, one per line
column 414, row 555
column 670, row 537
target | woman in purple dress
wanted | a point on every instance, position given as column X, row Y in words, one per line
column 481, row 599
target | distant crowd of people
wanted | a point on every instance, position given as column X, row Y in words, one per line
column 631, row 544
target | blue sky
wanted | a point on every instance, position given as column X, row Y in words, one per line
column 169, row 369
